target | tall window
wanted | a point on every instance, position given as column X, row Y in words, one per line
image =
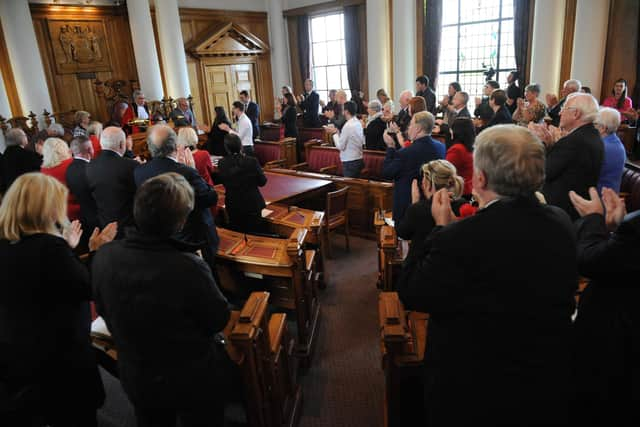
column 476, row 35
column 328, row 58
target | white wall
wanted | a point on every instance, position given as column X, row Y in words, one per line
column 546, row 46
column 294, row 4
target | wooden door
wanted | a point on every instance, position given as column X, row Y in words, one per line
column 224, row 83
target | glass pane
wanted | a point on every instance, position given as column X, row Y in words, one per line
column 478, row 46
column 320, row 77
column 472, row 83
column 334, row 52
column 443, row 85
column 341, row 26
column 479, row 10
column 450, row 12
column 333, row 77
column 343, row 51
column 318, row 32
column 448, row 49
column 507, row 8
column 507, row 52
column 320, row 54
column 333, row 26
column 324, row 95
column 345, row 77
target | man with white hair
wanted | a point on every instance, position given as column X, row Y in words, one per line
column 555, row 107
column 403, row 118
column 110, row 178
column 615, row 155
column 182, row 114
column 574, row 152
column 17, row 160
column 137, row 110
column 499, row 287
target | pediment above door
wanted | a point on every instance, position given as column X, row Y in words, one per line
column 227, row 39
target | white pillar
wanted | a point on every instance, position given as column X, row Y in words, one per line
column 378, row 50
column 589, row 43
column 404, row 46
column 24, row 56
column 278, row 45
column 174, row 59
column 546, row 46
column 144, row 48
column 5, row 110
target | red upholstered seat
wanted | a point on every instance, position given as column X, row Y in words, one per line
column 322, row 157
column 266, row 152
column 373, row 161
column 631, row 186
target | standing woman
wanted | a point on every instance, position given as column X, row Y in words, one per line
column 620, row 101
column 241, row 176
column 56, row 158
column 94, row 131
column 82, row 120
column 460, row 153
column 288, row 116
column 47, row 363
column 215, row 142
column 188, row 138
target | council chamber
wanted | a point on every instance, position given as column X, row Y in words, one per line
column 269, row 213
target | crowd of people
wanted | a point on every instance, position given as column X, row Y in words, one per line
column 504, row 209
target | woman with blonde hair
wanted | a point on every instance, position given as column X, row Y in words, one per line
column 47, row 364
column 82, row 120
column 93, row 132
column 188, row 138
column 56, row 158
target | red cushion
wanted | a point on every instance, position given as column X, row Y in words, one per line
column 266, row 152
column 374, row 162
column 322, row 157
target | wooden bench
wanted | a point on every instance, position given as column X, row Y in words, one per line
column 630, row 186
column 271, row 132
column 276, row 153
column 262, row 348
column 322, row 158
column 627, row 135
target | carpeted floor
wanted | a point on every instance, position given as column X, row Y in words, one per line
column 345, row 384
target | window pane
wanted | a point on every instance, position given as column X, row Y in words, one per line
column 333, row 77
column 479, row 10
column 323, row 94
column 450, row 12
column 341, row 26
column 449, row 49
column 345, row 77
column 472, row 83
column 333, row 25
column 507, row 8
column 507, row 53
column 318, row 33
column 320, row 77
column 334, row 53
column 319, row 54
column 478, row 45
column 443, row 85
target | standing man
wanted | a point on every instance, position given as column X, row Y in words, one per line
column 244, row 128
column 350, row 142
column 310, row 105
column 252, row 111
column 513, row 91
column 17, row 159
column 458, row 108
column 182, row 115
column 483, row 109
column 78, row 184
column 423, row 90
column 403, row 118
column 555, row 106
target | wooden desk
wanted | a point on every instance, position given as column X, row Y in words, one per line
column 281, row 266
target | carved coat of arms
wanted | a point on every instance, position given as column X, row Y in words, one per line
column 79, row 46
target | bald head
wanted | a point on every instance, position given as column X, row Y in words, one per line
column 162, row 141
column 579, row 109
column 114, row 139
column 405, row 97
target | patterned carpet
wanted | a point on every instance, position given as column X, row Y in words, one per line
column 344, row 386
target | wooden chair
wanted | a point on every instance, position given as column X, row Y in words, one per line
column 336, row 215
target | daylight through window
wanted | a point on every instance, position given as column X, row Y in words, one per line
column 328, row 58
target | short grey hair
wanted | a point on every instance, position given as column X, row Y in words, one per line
column 80, row 145
column 112, row 138
column 375, row 105
column 187, row 137
column 576, row 85
column 425, row 120
column 56, row 129
column 136, row 94
column 162, row 141
column 54, row 152
column 389, row 104
column 609, row 118
column 512, row 159
column 94, row 128
column 533, row 87
column 15, row 136
column 586, row 104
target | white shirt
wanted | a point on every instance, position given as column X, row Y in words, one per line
column 142, row 113
column 245, row 130
column 350, row 141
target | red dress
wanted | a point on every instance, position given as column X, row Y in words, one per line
column 60, row 173
column 95, row 142
column 204, row 165
column 462, row 159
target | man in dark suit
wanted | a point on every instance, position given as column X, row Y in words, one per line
column 569, row 87
column 17, row 160
column 500, row 310
column 252, row 110
column 403, row 118
column 501, row 114
column 154, row 291
column 458, row 108
column 182, row 115
column 423, row 90
column 310, row 104
column 483, row 109
column 78, row 184
column 574, row 153
column 200, row 229
column 402, row 166
column 514, row 91
column 110, row 179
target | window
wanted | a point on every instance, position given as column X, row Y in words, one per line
column 328, row 58
column 476, row 35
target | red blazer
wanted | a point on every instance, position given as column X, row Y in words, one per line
column 60, row 173
column 95, row 142
column 462, row 159
column 129, row 115
column 204, row 165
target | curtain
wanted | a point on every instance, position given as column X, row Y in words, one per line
column 635, row 95
column 352, row 46
column 521, row 9
column 431, row 34
column 304, row 47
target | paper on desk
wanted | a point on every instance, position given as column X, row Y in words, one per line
column 266, row 212
column 390, row 222
column 98, row 326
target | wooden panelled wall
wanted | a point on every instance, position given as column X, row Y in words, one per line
column 70, row 91
column 196, row 22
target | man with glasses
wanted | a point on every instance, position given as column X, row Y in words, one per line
column 574, row 152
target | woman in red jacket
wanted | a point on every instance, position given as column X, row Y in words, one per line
column 188, row 138
column 460, row 153
column 56, row 158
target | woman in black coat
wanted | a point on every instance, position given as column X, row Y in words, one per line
column 47, row 364
column 375, row 127
column 241, row 176
column 215, row 142
column 289, row 116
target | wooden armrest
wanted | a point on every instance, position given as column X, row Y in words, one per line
column 332, row 170
column 392, row 317
column 326, row 144
column 280, row 163
column 300, row 166
column 277, row 328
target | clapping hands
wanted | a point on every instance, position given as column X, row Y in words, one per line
column 99, row 238
column 441, row 208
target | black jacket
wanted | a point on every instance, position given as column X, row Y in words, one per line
column 484, row 109
column 241, row 176
column 607, row 332
column 499, row 287
column 111, row 183
column 573, row 163
column 554, row 112
column 310, row 106
column 373, row 135
column 78, row 184
column 430, row 97
column 513, row 92
column 163, row 308
column 200, row 229
column 500, row 117
column 403, row 119
column 15, row 162
column 44, row 324
column 253, row 112
column 289, row 121
column 215, row 141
